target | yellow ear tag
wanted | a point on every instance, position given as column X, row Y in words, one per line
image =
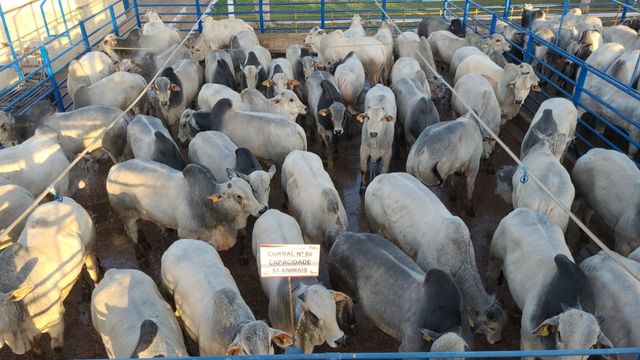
column 427, row 337
column 545, row 331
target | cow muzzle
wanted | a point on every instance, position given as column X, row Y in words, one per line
column 338, row 132
column 519, row 102
column 341, row 341
column 373, row 135
column 164, row 103
column 263, row 210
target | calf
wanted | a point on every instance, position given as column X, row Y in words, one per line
column 216, row 152
column 16, row 200
column 150, row 140
column 118, row 90
column 176, row 88
column 210, row 305
column 315, row 323
column 40, row 269
column 197, row 207
column 406, row 212
column 327, row 107
column 423, row 312
column 219, row 69
column 554, row 116
column 608, row 184
column 88, row 70
column 416, row 111
column 312, row 198
column 553, row 293
column 133, row 320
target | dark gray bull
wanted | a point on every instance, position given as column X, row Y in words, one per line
column 150, row 140
column 219, row 69
column 423, row 312
column 327, row 107
column 416, row 111
column 14, row 129
column 431, row 24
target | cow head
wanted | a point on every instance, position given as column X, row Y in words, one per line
column 377, row 119
column 335, row 112
column 317, row 320
column 251, row 74
column 260, row 182
column 188, row 127
column 7, row 130
column 447, row 342
column 307, row 66
column 239, row 194
column 520, row 79
column 312, row 38
column 573, row 329
column 280, row 82
column 290, row 103
column 166, row 91
column 498, row 44
column 255, row 338
column 504, row 182
column 491, row 321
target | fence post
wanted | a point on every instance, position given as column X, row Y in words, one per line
column 114, row 21
column 507, row 9
column 624, row 10
column 198, row 14
column 445, row 6
column 577, row 91
column 85, row 38
column 16, row 61
column 125, row 5
column 137, row 12
column 465, row 16
column 494, row 22
column 384, row 7
column 527, row 53
column 261, row 16
column 64, row 21
column 321, row 14
column 565, row 9
column 52, row 77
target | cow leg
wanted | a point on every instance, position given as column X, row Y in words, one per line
column 453, row 196
column 243, row 258
column 57, row 336
column 93, row 267
column 386, row 162
column 364, row 158
column 493, row 270
column 471, row 173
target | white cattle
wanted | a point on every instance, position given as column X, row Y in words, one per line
column 622, row 35
column 327, row 107
column 88, row 70
column 554, row 116
column 416, row 111
column 512, row 184
column 210, row 94
column 216, row 35
column 444, row 44
column 150, row 140
column 192, row 203
column 355, row 29
column 118, row 90
column 385, row 36
column 377, row 130
column 608, row 184
column 39, row 271
column 511, row 85
column 177, row 87
column 553, row 293
column 210, row 305
column 281, row 75
column 408, row 67
column 402, row 209
column 216, row 152
column 349, row 76
column 312, row 198
column 133, row 319
column 461, row 54
column 219, row 69
column 35, row 163
column 284, row 103
column 150, row 64
column 418, row 48
column 476, row 91
column 14, row 200
column 136, row 45
column 314, row 300
column 617, row 298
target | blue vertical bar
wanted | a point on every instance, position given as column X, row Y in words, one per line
column 64, row 20
column 16, row 61
column 261, row 16
column 137, row 12
column 125, row 4
column 465, row 16
column 527, row 53
column 582, row 75
column 565, row 9
column 114, row 21
column 624, row 13
column 507, row 9
column 52, row 77
column 85, row 38
column 445, row 5
column 322, row 14
column 44, row 18
column 384, row 7
column 198, row 14
column 494, row 22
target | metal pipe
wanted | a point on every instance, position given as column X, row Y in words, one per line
column 85, row 38
column 137, row 12
column 384, row 6
column 465, row 16
column 198, row 14
column 507, row 9
column 261, row 16
column 114, row 21
column 52, row 77
column 16, row 61
column 322, row 14
column 64, row 21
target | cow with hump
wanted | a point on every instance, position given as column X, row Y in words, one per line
column 314, row 305
column 189, row 201
column 210, row 305
column 327, row 107
column 150, row 140
column 402, row 209
column 553, row 293
column 422, row 311
column 127, row 302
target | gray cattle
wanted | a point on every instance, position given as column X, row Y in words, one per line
column 77, row 129
column 192, row 203
column 135, row 44
column 554, row 116
column 617, row 298
column 445, row 149
column 176, row 88
column 418, row 48
column 216, row 152
column 150, row 64
column 210, row 94
column 118, row 90
column 423, row 312
column 385, row 36
column 608, row 185
column 315, row 316
column 39, row 270
column 416, row 111
column 14, row 129
column 88, row 70
column 269, row 136
column 403, row 210
column 542, row 162
column 408, row 67
column 553, row 293
column 622, row 35
column 210, row 305
column 295, row 53
column 326, row 106
column 255, row 68
column 133, row 319
column 349, row 77
column 150, row 140
column 312, row 198
column 444, row 44
column 476, row 91
column 244, row 40
column 14, row 199
column 35, row 163
column 281, row 76
column 431, row 24
column 219, row 69
column 376, row 142
column 284, row 103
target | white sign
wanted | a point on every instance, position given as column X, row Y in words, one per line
column 279, row 260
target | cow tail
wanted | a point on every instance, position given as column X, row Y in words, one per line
column 435, row 173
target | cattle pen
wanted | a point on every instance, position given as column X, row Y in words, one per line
column 281, row 22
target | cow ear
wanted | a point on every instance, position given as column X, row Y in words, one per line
column 281, row 338
column 231, row 173
column 275, row 101
column 215, row 197
column 340, row 296
column 429, row 335
column 511, row 84
column 234, row 349
column 547, row 327
column 389, row 118
column 175, row 87
column 272, row 171
column 323, row 112
column 603, row 341
column 17, row 295
column 536, row 88
column 293, row 82
column 267, row 83
column 362, row 118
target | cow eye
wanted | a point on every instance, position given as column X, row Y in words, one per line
column 559, row 336
column 313, row 318
column 239, row 197
column 291, row 100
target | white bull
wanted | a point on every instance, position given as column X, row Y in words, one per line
column 88, row 70
column 13, row 201
column 118, row 90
